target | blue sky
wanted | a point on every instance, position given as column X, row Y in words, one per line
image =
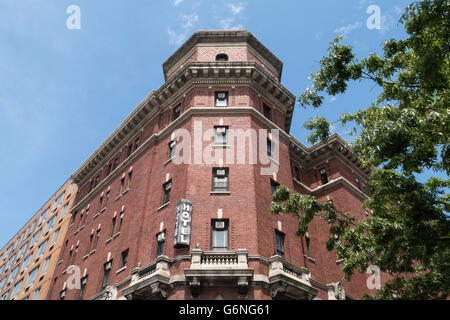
column 62, row 92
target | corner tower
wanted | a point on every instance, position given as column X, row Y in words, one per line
column 175, row 203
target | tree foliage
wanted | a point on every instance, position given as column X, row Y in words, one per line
column 402, row 133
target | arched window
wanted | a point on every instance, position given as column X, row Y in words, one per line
column 222, row 57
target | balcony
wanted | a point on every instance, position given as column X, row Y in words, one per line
column 151, row 281
column 219, row 268
column 287, row 280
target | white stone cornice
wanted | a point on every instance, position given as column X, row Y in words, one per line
column 331, row 184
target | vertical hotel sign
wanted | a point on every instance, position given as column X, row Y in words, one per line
column 183, row 223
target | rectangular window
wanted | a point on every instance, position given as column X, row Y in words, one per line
column 297, row 173
column 160, row 243
column 176, row 112
column 26, row 262
column 279, row 243
column 308, row 246
column 220, row 135
column 22, row 250
column 96, row 239
column 136, row 144
column 113, row 225
column 115, row 163
column 16, row 288
column 106, row 272
column 91, row 239
column 120, row 222
column 83, row 283
column 273, row 186
column 58, row 201
column 130, row 150
column 130, row 176
column 13, row 274
column 323, row 176
column 63, row 212
column 219, row 235
column 44, row 268
column 36, row 293
column 55, row 236
column 267, row 112
column 122, row 184
column 269, row 147
column 222, row 99
column 172, row 148
column 220, row 180
column 124, row 257
column 42, row 248
column 35, row 237
column 50, row 223
column 43, row 215
column 107, row 198
column 32, row 276
column 166, row 192
column 70, row 190
column 10, row 261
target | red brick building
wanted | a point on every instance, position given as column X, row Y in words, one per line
column 132, row 237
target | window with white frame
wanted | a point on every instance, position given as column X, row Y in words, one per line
column 58, row 201
column 220, row 180
column 26, row 262
column 220, row 135
column 222, row 99
column 43, row 216
column 219, row 235
column 172, row 148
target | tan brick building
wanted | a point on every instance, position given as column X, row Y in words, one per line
column 146, row 225
column 28, row 261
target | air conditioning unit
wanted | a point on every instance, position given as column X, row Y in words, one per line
column 220, row 225
column 161, row 237
column 220, row 173
column 221, row 95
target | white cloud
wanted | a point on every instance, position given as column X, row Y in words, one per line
column 227, row 24
column 236, row 9
column 177, row 2
column 190, row 19
column 349, row 28
column 176, row 38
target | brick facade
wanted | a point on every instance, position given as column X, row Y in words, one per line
column 250, row 268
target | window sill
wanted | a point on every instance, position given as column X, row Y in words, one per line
column 309, row 258
column 163, row 206
column 108, row 241
column 126, row 191
column 274, row 161
column 220, row 193
column 96, row 215
column 221, row 146
column 59, row 262
column 85, row 256
column 118, row 197
column 82, row 227
column 339, row 261
column 116, row 235
column 121, row 269
column 92, row 252
column 168, row 161
column 103, row 210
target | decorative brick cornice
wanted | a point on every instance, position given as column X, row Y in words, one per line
column 229, row 73
column 223, row 36
column 320, row 152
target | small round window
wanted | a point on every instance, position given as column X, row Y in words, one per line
column 222, row 57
